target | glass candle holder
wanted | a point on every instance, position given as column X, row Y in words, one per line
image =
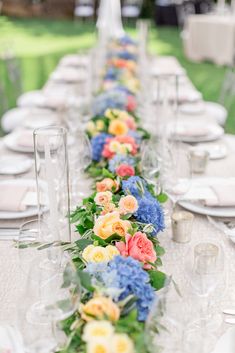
column 51, row 167
column 182, row 225
column 206, row 257
column 198, row 160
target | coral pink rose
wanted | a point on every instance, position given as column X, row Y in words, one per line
column 125, row 140
column 125, row 170
column 131, row 104
column 139, row 247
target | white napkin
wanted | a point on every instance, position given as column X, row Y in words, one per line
column 10, row 340
column 192, row 130
column 226, row 343
column 225, row 195
column 25, row 139
column 12, row 197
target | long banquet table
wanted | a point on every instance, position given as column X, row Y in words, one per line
column 174, row 261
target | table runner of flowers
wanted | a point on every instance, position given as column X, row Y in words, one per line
column 118, row 254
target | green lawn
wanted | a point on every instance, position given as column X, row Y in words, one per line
column 39, row 44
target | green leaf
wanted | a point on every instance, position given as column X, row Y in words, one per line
column 126, row 216
column 85, row 280
column 157, row 279
column 162, row 197
column 159, row 250
column 99, row 240
column 83, row 243
column 81, row 229
column 107, row 174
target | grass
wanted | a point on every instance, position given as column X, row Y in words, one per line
column 39, row 44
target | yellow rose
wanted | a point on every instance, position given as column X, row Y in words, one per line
column 100, row 308
column 121, row 343
column 103, row 198
column 121, row 227
column 98, row 254
column 107, row 225
column 111, row 113
column 114, row 146
column 99, row 347
column 118, row 127
column 112, row 251
column 87, row 251
column 91, row 128
column 97, row 330
column 124, row 115
column 99, row 125
column 128, row 204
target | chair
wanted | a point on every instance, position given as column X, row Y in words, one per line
column 3, row 100
column 14, row 74
column 184, row 10
column 84, row 9
column 221, row 109
column 131, row 9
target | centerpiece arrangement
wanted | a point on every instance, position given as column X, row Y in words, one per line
column 118, row 254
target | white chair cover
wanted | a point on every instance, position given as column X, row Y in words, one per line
column 109, row 20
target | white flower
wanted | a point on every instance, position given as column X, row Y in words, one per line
column 97, row 331
column 121, row 343
column 87, row 251
column 112, row 251
column 98, row 254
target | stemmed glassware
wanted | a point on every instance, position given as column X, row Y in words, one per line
column 204, row 274
column 176, row 175
column 151, row 164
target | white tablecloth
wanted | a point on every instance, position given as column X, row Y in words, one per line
column 210, row 37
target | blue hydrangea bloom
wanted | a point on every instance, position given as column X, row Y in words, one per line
column 132, row 186
column 126, row 40
column 136, row 136
column 119, row 159
column 125, row 276
column 97, row 145
column 150, row 212
column 133, row 280
column 111, row 74
column 111, row 99
column 126, row 55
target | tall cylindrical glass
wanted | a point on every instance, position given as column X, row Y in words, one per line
column 51, row 166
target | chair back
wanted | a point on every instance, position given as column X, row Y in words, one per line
column 227, row 93
column 14, row 74
column 184, row 10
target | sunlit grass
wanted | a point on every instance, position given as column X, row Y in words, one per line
column 39, row 44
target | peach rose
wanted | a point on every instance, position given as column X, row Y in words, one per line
column 118, row 127
column 107, row 184
column 128, row 204
column 139, row 247
column 100, row 308
column 109, row 207
column 125, row 170
column 107, row 225
column 102, row 198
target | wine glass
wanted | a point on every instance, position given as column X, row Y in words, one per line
column 176, row 175
column 151, row 164
column 204, row 271
column 58, row 295
column 164, row 324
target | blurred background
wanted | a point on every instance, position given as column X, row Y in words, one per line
column 35, row 34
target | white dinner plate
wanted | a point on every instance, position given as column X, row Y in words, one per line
column 208, row 211
column 216, row 151
column 214, row 132
column 192, row 108
column 30, row 211
column 13, row 165
column 11, row 142
column 200, row 189
column 38, row 120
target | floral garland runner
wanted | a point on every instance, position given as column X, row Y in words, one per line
column 118, row 255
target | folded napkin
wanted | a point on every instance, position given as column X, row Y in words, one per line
column 25, row 139
column 225, row 195
column 10, row 340
column 12, row 197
